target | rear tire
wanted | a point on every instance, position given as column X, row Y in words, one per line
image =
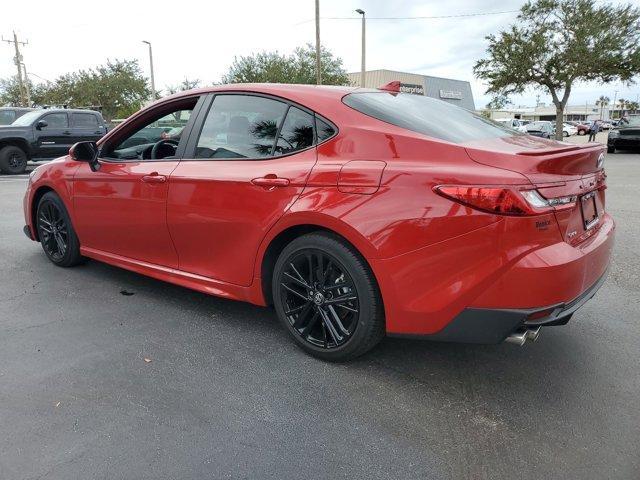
column 55, row 231
column 327, row 298
column 13, row 160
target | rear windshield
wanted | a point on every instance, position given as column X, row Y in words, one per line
column 428, row 116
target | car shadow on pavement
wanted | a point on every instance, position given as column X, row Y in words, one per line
column 405, row 361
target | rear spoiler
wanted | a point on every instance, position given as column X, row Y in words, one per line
column 391, row 87
column 550, row 151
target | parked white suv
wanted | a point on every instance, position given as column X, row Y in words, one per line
column 513, row 123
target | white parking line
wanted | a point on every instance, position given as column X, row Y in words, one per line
column 13, row 180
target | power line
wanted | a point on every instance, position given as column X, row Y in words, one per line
column 426, row 17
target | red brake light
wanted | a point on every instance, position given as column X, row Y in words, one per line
column 497, row 200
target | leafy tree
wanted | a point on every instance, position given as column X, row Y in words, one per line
column 633, row 106
column 299, row 67
column 556, row 43
column 499, row 102
column 186, row 84
column 10, row 92
column 602, row 102
column 118, row 87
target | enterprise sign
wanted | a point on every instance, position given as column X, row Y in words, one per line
column 412, row 88
column 452, row 94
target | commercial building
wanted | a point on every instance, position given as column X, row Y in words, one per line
column 456, row 92
column 548, row 112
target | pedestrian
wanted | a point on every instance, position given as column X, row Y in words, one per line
column 593, row 129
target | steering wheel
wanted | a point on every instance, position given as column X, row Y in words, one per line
column 157, row 148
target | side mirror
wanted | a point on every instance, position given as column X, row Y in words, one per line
column 86, row 152
column 41, row 124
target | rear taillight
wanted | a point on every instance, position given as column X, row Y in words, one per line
column 518, row 201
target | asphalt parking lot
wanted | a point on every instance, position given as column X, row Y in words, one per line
column 169, row 383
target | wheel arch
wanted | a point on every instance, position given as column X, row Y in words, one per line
column 21, row 143
column 33, row 207
column 290, row 230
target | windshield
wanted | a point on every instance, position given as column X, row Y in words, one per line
column 7, row 116
column 27, row 118
column 431, row 117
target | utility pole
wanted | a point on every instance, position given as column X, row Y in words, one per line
column 318, row 64
column 18, row 61
column 615, row 96
column 153, row 82
column 363, row 66
column 26, row 85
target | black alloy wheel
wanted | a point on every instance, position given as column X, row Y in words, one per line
column 53, row 231
column 13, row 160
column 56, row 233
column 326, row 296
column 319, row 298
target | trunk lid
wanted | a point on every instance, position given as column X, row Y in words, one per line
column 557, row 170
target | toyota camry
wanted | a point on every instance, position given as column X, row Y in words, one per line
column 355, row 213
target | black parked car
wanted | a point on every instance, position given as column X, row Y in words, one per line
column 8, row 115
column 625, row 135
column 542, row 129
column 43, row 134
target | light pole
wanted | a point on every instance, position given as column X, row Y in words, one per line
column 318, row 71
column 153, row 82
column 362, row 68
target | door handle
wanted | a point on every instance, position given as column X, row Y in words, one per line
column 154, row 178
column 66, row 132
column 271, row 181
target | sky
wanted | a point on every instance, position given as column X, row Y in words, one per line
column 199, row 39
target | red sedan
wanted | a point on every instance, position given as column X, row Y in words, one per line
column 356, row 213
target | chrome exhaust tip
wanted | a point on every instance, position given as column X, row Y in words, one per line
column 521, row 337
column 517, row 338
column 533, row 334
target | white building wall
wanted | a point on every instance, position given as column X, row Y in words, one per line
column 456, row 92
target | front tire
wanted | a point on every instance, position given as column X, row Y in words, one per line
column 611, row 149
column 327, row 298
column 13, row 160
column 55, row 231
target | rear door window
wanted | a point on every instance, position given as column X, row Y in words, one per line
column 240, row 126
column 323, row 130
column 84, row 120
column 427, row 116
column 296, row 133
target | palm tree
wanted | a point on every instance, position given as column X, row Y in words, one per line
column 623, row 103
column 633, row 107
column 602, row 102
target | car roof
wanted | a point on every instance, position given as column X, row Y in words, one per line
column 311, row 96
column 68, row 110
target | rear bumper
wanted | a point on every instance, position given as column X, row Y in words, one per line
column 622, row 142
column 481, row 286
column 487, row 326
